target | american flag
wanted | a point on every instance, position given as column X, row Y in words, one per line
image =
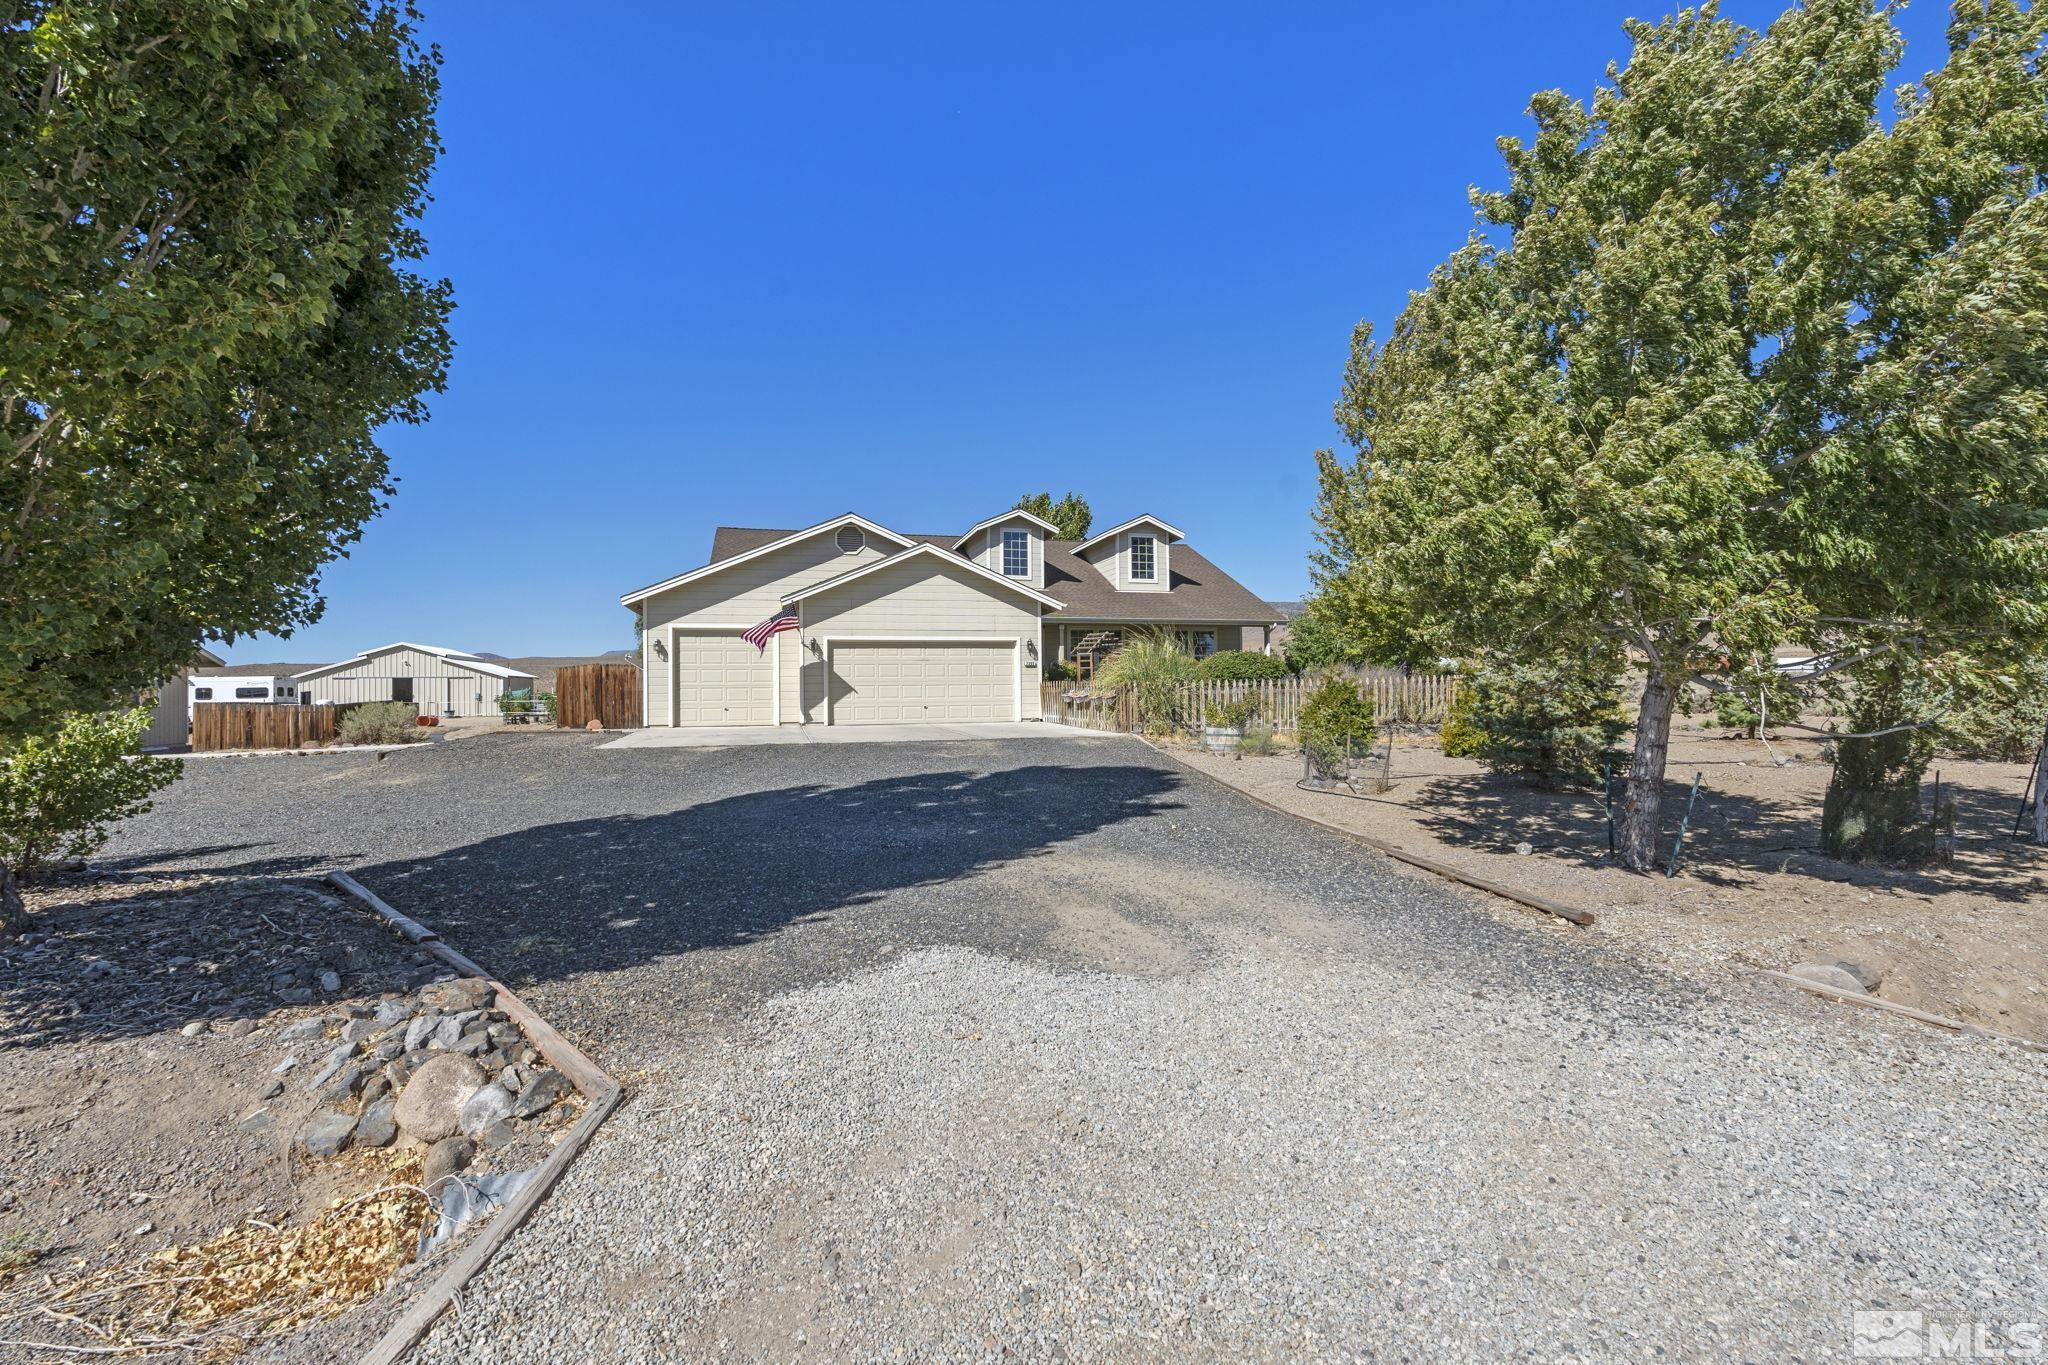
column 759, row 636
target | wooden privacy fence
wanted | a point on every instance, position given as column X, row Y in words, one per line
column 263, row 725
column 1398, row 699
column 606, row 693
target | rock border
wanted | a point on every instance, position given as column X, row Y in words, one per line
column 1569, row 913
column 596, row 1085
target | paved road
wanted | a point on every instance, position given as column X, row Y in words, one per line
column 1046, row 1050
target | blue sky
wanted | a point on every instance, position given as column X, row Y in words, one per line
column 760, row 265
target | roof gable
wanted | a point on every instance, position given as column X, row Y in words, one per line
column 460, row 658
column 719, row 565
column 1014, row 514
column 1172, row 532
column 945, row 557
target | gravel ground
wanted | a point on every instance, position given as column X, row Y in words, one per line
column 1047, row 1050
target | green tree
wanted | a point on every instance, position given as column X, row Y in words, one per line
column 1550, row 721
column 1316, row 642
column 1071, row 514
column 1739, row 366
column 208, row 215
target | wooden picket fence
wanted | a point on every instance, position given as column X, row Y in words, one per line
column 1419, row 699
column 260, row 725
column 606, row 693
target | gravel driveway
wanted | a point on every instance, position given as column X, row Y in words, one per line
column 1047, row 1050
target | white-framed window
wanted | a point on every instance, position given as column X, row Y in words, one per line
column 253, row 693
column 1017, row 554
column 1144, row 560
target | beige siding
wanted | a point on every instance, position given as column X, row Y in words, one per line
column 742, row 596
column 986, row 549
column 923, row 598
column 440, row 686
column 169, row 725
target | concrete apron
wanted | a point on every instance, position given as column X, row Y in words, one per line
column 740, row 736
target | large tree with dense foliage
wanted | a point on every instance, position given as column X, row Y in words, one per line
column 1738, row 365
column 1071, row 514
column 208, row 220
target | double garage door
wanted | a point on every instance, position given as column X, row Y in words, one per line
column 720, row 679
column 905, row 684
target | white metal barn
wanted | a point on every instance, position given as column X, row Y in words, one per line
column 442, row 682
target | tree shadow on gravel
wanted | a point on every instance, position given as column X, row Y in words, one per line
column 600, row 894
column 1731, row 838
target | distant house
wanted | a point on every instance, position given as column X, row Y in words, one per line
column 170, row 722
column 1279, row 635
column 436, row 680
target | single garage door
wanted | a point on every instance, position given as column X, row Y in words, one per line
column 721, row 680
column 884, row 684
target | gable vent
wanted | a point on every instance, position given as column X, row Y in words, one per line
column 850, row 540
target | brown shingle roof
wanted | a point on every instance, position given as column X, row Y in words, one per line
column 1199, row 590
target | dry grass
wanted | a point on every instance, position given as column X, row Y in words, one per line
column 213, row 1301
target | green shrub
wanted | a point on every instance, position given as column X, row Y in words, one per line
column 382, row 722
column 1737, row 710
column 547, row 703
column 1059, row 672
column 1337, row 720
column 59, row 793
column 1240, row 665
column 1256, row 739
column 516, row 703
column 1230, row 715
column 1460, row 738
column 2000, row 719
column 1154, row 669
column 1550, row 721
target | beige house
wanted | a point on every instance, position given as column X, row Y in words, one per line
column 881, row 627
column 170, row 723
column 438, row 681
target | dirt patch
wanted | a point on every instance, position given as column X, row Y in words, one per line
column 1967, row 939
column 161, row 1060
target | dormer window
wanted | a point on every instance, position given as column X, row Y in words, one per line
column 1017, row 554
column 1144, row 560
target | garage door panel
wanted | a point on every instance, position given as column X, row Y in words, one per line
column 907, row 684
column 721, row 680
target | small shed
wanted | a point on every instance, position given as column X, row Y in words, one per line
column 435, row 680
column 170, row 723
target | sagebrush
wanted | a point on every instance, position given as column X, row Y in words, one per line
column 382, row 722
